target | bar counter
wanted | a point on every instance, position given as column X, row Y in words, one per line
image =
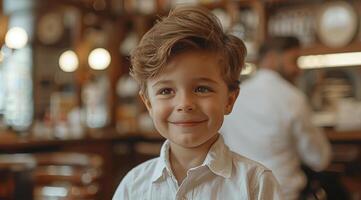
column 11, row 143
column 102, row 143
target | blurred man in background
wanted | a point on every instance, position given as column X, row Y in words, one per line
column 271, row 123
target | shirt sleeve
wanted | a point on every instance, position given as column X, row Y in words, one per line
column 122, row 192
column 312, row 145
column 267, row 187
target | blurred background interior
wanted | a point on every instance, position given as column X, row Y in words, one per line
column 71, row 122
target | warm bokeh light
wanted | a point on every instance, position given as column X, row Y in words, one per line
column 16, row 38
column 68, row 61
column 248, row 69
column 99, row 59
column 330, row 60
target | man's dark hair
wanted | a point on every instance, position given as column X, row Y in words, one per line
column 278, row 44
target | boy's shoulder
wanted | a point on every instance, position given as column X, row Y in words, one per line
column 234, row 164
column 144, row 169
column 246, row 165
column 137, row 180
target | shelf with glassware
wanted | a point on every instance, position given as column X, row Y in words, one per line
column 331, row 38
column 322, row 27
column 81, row 52
column 74, row 71
column 250, row 20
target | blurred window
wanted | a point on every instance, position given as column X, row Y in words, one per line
column 16, row 85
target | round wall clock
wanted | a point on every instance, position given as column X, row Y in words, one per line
column 50, row 28
column 336, row 23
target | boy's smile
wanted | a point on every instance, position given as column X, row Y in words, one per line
column 187, row 123
column 189, row 99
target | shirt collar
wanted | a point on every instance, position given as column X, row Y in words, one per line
column 162, row 163
column 218, row 160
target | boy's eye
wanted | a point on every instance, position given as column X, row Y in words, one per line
column 165, row 91
column 203, row 89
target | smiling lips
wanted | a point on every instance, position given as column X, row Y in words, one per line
column 188, row 122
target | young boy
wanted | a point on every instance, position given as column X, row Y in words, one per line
column 188, row 70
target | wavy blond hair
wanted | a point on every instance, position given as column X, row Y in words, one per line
column 186, row 28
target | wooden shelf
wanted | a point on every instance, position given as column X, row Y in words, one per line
column 10, row 143
column 322, row 49
column 344, row 136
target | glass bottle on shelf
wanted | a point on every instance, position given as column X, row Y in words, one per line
column 128, row 106
column 62, row 102
column 95, row 100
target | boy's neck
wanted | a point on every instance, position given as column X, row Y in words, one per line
column 182, row 159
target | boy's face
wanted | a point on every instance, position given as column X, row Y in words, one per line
column 189, row 99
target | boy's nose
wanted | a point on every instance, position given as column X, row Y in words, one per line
column 185, row 108
column 185, row 104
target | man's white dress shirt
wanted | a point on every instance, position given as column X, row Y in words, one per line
column 270, row 123
column 223, row 175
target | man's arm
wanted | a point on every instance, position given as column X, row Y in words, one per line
column 312, row 145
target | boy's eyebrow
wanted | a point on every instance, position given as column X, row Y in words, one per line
column 161, row 82
column 205, row 79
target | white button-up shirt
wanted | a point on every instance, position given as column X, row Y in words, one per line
column 270, row 123
column 223, row 175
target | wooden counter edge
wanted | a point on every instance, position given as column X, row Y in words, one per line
column 348, row 136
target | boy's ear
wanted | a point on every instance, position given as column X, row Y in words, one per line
column 232, row 97
column 146, row 102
